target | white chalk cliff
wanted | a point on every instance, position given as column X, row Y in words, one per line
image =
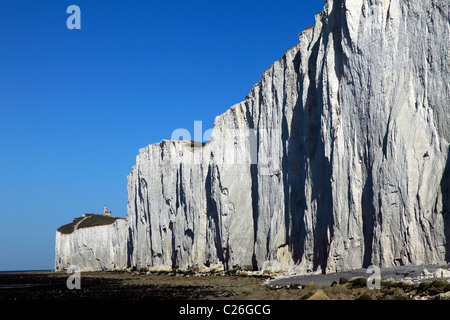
column 337, row 159
column 92, row 248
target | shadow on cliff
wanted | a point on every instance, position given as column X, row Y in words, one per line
column 368, row 214
column 306, row 170
column 445, row 190
column 214, row 236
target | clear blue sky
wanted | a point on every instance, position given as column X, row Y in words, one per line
column 77, row 105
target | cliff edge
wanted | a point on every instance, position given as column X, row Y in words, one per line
column 91, row 242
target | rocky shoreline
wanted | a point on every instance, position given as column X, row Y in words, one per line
column 397, row 283
column 430, row 282
column 408, row 274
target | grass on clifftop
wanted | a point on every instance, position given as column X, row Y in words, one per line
column 70, row 227
column 97, row 220
column 196, row 144
column 90, row 220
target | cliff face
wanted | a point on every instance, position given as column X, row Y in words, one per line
column 337, row 159
column 92, row 248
